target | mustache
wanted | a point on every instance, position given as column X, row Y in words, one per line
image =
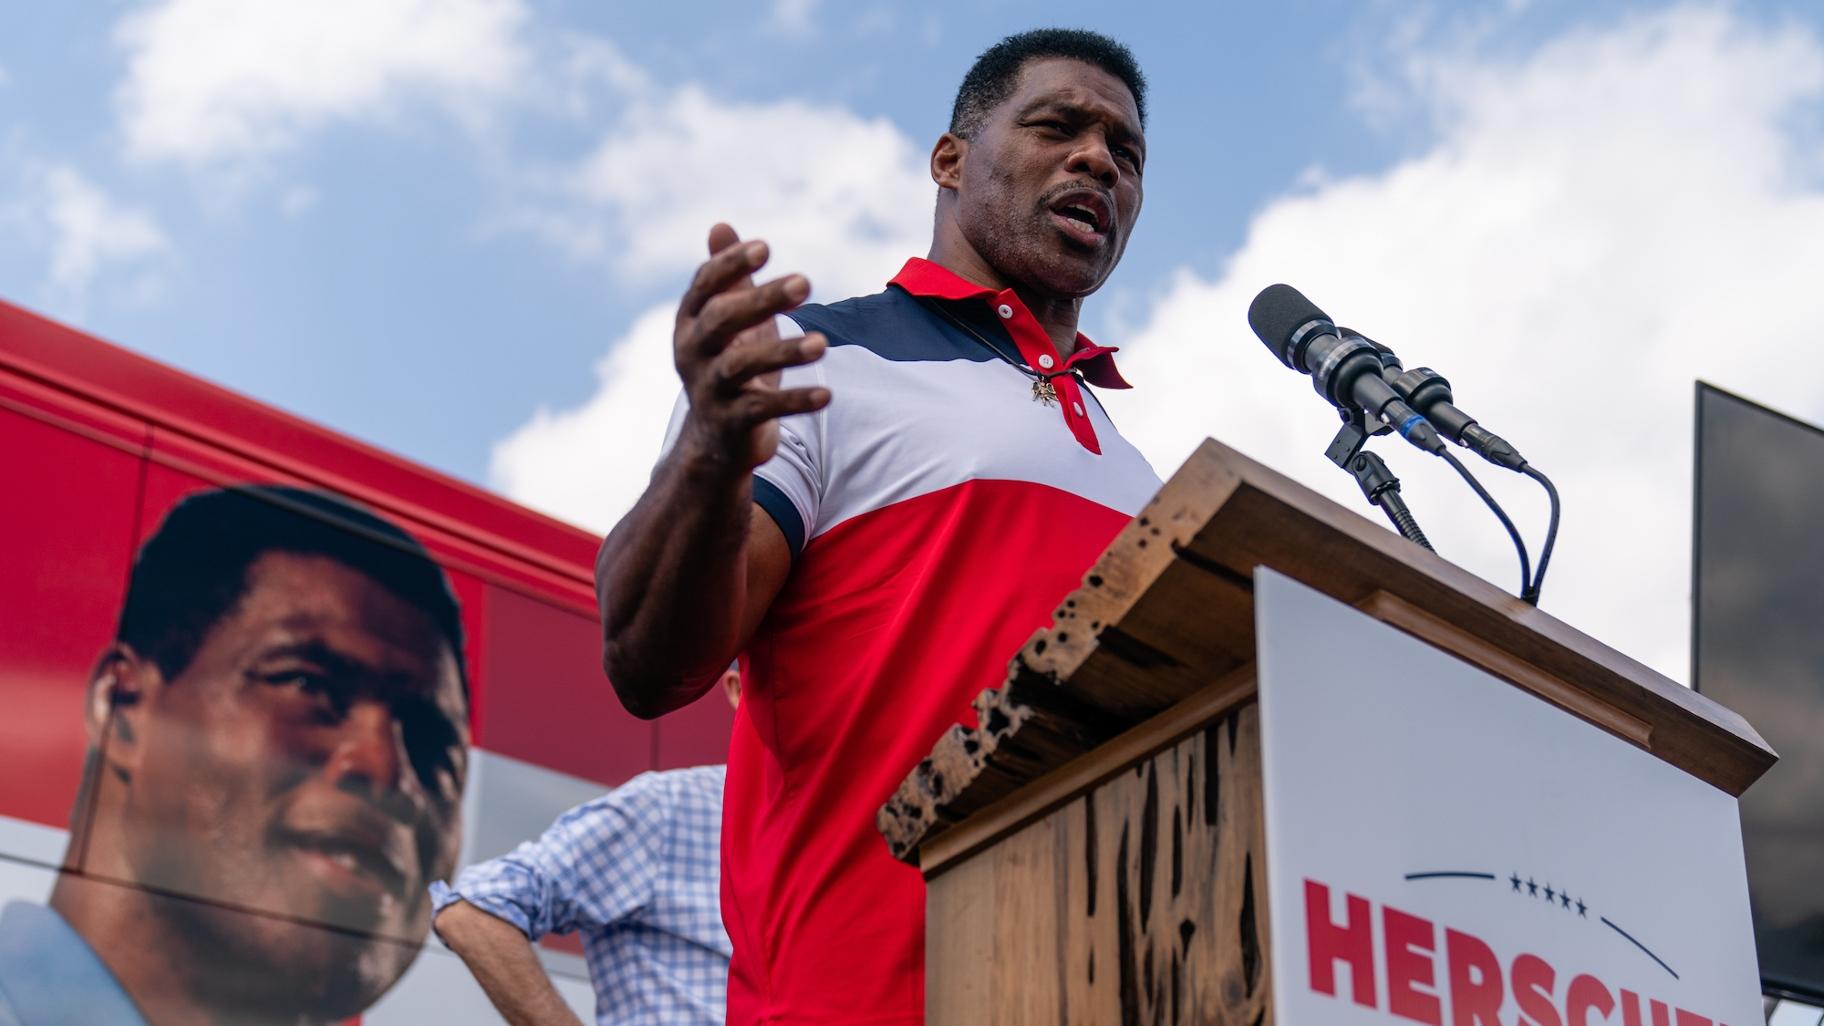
column 1050, row 196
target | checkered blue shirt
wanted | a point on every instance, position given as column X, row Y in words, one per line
column 636, row 873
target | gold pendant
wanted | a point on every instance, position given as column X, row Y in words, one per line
column 1042, row 392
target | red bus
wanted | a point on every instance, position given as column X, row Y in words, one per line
column 100, row 451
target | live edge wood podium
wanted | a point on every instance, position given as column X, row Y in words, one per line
column 1093, row 848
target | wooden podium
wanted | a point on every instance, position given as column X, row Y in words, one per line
column 1094, row 847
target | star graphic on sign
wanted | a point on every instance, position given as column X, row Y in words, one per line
column 1550, row 894
column 1565, row 898
column 1532, row 889
column 1515, row 880
column 1582, row 908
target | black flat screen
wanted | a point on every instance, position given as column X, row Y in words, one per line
column 1758, row 648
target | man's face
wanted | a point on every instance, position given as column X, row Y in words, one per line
column 306, row 766
column 1050, row 186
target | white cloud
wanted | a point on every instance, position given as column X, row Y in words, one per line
column 1597, row 224
column 226, row 80
column 588, row 464
column 840, row 198
column 585, row 70
column 89, row 231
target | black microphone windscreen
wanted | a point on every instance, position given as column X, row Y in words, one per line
column 1279, row 311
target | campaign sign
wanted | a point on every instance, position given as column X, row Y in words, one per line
column 1446, row 848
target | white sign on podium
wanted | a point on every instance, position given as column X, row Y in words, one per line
column 1446, row 848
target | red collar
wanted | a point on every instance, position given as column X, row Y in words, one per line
column 921, row 277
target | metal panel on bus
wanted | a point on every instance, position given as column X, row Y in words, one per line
column 70, row 471
column 698, row 734
column 547, row 702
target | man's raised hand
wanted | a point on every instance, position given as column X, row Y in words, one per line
column 729, row 355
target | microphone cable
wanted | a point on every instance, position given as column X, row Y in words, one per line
column 1531, row 594
column 1428, row 390
column 1526, row 568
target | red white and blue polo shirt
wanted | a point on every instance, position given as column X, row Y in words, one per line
column 937, row 513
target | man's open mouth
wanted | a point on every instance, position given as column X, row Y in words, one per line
column 1082, row 217
column 1085, row 211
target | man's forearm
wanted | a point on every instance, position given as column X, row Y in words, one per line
column 671, row 582
column 679, row 580
column 503, row 962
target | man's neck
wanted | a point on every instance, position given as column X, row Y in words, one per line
column 1057, row 315
column 125, row 930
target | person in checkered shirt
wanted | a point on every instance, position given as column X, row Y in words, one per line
column 634, row 872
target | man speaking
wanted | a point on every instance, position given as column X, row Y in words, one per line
column 877, row 514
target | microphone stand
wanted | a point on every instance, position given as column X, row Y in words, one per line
column 1379, row 486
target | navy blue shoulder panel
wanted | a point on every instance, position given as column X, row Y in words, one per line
column 895, row 325
column 770, row 498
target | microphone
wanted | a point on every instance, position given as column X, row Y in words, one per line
column 1429, row 393
column 1346, row 371
column 1427, row 390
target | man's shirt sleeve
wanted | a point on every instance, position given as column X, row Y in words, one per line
column 790, row 485
column 599, row 864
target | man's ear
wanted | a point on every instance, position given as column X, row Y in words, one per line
column 947, row 160
column 115, row 702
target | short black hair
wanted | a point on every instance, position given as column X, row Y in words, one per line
column 993, row 76
column 192, row 572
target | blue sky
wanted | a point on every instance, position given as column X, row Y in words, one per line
column 453, row 228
